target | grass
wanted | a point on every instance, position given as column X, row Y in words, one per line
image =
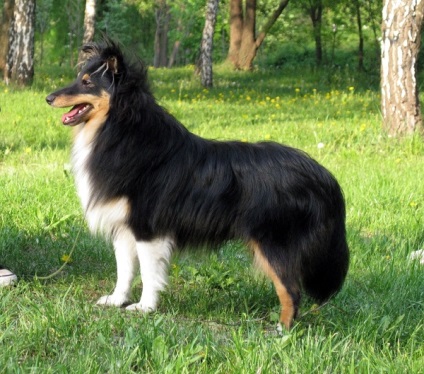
column 217, row 315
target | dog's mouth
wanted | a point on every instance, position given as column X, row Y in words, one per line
column 76, row 115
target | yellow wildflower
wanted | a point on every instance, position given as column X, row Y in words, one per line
column 66, row 258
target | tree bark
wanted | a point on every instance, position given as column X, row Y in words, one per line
column 248, row 47
column 6, row 18
column 176, row 47
column 315, row 13
column 174, row 53
column 19, row 67
column 401, row 38
column 89, row 24
column 206, row 74
column 360, row 35
column 236, row 31
column 250, row 44
column 89, row 21
column 161, row 35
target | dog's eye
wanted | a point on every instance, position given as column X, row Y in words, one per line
column 86, row 82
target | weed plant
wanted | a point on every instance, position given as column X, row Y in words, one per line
column 217, row 315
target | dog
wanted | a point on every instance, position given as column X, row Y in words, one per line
column 151, row 186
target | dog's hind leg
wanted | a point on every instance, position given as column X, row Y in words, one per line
column 127, row 265
column 154, row 259
column 287, row 289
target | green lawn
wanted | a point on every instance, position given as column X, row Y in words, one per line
column 217, row 315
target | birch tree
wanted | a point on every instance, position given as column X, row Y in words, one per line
column 19, row 67
column 207, row 44
column 89, row 24
column 401, row 38
column 89, row 21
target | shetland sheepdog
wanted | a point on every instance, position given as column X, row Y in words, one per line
column 151, row 186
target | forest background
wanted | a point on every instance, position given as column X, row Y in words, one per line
column 290, row 41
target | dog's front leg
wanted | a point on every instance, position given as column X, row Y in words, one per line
column 154, row 259
column 127, row 266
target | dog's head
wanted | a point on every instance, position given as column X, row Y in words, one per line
column 91, row 93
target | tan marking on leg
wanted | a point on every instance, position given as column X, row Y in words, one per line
column 287, row 307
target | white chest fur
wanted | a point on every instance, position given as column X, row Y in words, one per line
column 107, row 215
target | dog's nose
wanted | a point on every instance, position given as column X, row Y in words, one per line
column 50, row 99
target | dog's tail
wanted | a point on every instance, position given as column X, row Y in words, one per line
column 324, row 268
column 316, row 261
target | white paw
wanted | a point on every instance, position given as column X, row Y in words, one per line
column 280, row 329
column 141, row 308
column 112, row 300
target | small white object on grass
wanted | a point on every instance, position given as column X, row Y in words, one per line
column 417, row 255
column 7, row 278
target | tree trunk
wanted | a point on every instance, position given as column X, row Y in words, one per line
column 373, row 21
column 176, row 47
column 6, row 18
column 20, row 57
column 89, row 21
column 248, row 46
column 236, row 31
column 89, row 24
column 361, row 36
column 250, row 43
column 401, row 27
column 207, row 44
column 161, row 35
column 271, row 20
column 174, row 53
column 315, row 12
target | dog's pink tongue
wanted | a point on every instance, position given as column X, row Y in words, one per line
column 72, row 113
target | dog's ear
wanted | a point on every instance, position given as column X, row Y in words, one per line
column 90, row 50
column 108, row 52
column 112, row 64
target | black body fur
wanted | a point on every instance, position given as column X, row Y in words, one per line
column 202, row 192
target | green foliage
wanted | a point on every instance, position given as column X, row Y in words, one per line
column 130, row 22
column 217, row 315
column 289, row 42
column 59, row 31
column 186, row 26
